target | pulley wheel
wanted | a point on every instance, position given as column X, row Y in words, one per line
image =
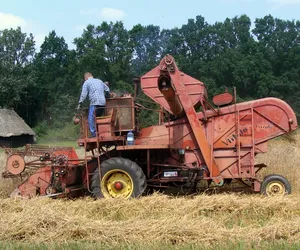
column 15, row 164
column 168, row 60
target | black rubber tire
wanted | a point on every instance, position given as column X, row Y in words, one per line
column 131, row 168
column 273, row 177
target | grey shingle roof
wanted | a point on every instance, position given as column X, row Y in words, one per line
column 13, row 125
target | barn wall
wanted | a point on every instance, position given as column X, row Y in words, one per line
column 16, row 141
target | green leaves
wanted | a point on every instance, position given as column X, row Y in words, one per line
column 54, row 79
column 146, row 48
column 261, row 62
column 16, row 75
column 105, row 51
column 16, row 49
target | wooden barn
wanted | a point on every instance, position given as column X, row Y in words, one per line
column 14, row 132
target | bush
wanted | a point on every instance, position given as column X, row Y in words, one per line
column 68, row 132
column 58, row 132
column 41, row 129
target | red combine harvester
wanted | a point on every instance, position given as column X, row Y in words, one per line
column 208, row 148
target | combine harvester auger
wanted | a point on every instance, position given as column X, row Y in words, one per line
column 213, row 146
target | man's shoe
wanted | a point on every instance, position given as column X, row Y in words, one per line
column 92, row 136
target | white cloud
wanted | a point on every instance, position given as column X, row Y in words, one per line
column 110, row 14
column 8, row 21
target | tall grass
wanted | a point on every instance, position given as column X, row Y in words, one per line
column 67, row 132
column 283, row 158
column 6, row 185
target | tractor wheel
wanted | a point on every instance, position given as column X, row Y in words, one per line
column 275, row 185
column 120, row 178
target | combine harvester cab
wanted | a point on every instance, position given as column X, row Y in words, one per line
column 206, row 148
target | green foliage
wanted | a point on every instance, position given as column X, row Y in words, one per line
column 57, row 132
column 41, row 129
column 146, row 47
column 105, row 51
column 148, row 118
column 148, row 115
column 17, row 78
column 56, row 95
column 45, row 86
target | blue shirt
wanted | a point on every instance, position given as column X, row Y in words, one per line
column 94, row 88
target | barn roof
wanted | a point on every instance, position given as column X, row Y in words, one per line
column 13, row 125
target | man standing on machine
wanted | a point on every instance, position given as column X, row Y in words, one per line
column 97, row 91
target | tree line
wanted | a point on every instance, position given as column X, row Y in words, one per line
column 260, row 59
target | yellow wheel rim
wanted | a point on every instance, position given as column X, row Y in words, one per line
column 275, row 188
column 117, row 183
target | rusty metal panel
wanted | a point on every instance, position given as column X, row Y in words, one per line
column 223, row 99
column 195, row 89
column 124, row 112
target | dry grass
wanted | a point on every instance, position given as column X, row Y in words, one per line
column 202, row 220
column 284, row 158
column 6, row 185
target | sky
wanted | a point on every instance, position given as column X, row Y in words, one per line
column 69, row 17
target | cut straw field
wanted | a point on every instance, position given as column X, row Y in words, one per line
column 223, row 221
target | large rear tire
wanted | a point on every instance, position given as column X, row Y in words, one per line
column 275, row 185
column 120, row 177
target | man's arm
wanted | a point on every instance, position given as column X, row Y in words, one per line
column 106, row 90
column 84, row 92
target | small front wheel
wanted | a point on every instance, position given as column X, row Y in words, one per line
column 275, row 185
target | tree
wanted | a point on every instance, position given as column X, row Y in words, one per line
column 17, row 80
column 259, row 63
column 55, row 83
column 105, row 51
column 279, row 42
column 145, row 41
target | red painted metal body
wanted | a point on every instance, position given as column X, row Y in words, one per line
column 53, row 171
column 185, row 147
